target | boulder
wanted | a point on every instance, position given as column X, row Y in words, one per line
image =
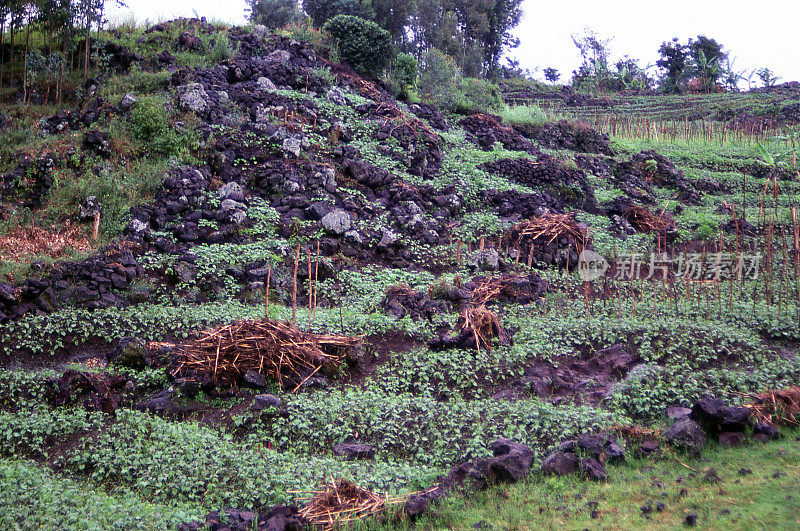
column 132, row 353
column 337, row 221
column 129, row 101
column 335, row 95
column 686, row 435
column 560, row 463
column 255, row 379
column 193, row 97
column 486, row 260
column 590, row 468
column 264, row 83
column 262, row 402
column 354, row 451
column 231, row 190
column 732, row 438
column 677, row 412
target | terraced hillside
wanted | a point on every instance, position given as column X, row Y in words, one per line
column 296, row 278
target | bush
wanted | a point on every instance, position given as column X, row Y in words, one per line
column 439, row 78
column 362, row 44
column 477, row 95
column 222, row 49
column 404, row 72
column 148, row 123
column 321, row 41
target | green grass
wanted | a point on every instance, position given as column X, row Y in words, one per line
column 752, row 501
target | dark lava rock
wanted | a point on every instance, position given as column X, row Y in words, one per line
column 418, row 504
column 591, row 468
column 763, row 431
column 560, row 463
column 711, row 476
column 648, row 448
column 745, row 472
column 690, row 520
column 132, row 353
column 354, row 451
column 262, row 402
column 687, row 435
column 732, row 438
column 255, row 379
column 716, row 417
column 677, row 412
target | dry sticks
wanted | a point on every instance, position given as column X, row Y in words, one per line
column 342, row 502
column 550, row 226
column 271, row 348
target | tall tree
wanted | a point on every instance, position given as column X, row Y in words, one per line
column 503, row 18
column 395, row 16
column 272, row 13
column 707, row 56
column 322, row 11
column 673, row 63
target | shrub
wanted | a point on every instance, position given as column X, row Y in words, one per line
column 404, row 72
column 439, row 78
column 362, row 44
column 148, row 122
column 222, row 49
column 477, row 95
column 321, row 41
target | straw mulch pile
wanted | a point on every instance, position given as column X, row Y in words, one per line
column 549, row 227
column 484, row 325
column 341, row 502
column 272, row 348
column 777, row 407
column 645, row 221
column 24, row 242
column 518, row 287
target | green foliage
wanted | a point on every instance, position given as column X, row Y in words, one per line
column 420, row 426
column 477, row 95
column 273, row 13
column 439, row 78
column 404, row 72
column 172, row 462
column 524, row 115
column 361, row 43
column 222, row 49
column 148, row 123
column 34, row 495
column 321, row 41
column 30, row 434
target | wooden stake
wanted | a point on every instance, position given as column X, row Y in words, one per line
column 310, row 289
column 316, row 285
column 266, row 293
column 96, row 226
column 294, row 286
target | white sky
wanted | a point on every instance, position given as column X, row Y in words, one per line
column 756, row 32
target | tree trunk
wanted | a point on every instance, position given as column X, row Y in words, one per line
column 25, row 92
column 2, row 51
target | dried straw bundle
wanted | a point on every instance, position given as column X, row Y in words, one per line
column 30, row 241
column 483, row 324
column 491, row 288
column 272, row 348
column 645, row 221
column 550, row 227
column 777, row 407
column 342, row 502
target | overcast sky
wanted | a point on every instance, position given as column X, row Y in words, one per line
column 756, row 32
